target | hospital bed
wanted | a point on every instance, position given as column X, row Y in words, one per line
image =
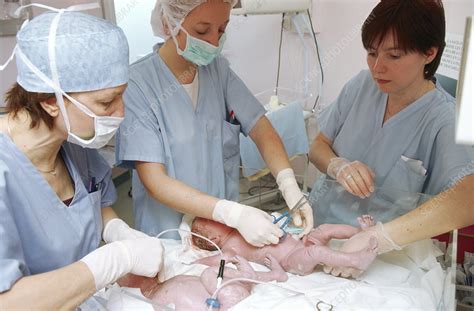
column 419, row 277
column 411, row 279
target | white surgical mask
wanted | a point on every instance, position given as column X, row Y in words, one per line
column 104, row 126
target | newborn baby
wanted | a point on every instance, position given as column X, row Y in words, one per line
column 295, row 256
column 188, row 292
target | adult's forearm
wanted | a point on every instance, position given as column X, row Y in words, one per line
column 321, row 153
column 107, row 215
column 174, row 193
column 449, row 210
column 62, row 289
column 270, row 146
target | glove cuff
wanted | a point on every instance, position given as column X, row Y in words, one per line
column 227, row 212
column 285, row 174
column 113, row 230
column 391, row 244
column 333, row 169
column 108, row 263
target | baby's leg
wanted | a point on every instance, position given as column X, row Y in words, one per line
column 303, row 261
column 325, row 232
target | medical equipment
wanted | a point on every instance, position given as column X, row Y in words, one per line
column 465, row 92
column 285, row 222
column 244, row 7
column 297, row 14
column 285, row 219
column 220, row 275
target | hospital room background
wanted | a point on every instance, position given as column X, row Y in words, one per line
column 275, row 56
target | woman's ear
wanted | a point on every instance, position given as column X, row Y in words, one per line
column 431, row 54
column 51, row 107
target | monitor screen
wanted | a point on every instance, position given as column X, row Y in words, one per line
column 465, row 90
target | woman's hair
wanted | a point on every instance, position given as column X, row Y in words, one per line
column 416, row 25
column 17, row 99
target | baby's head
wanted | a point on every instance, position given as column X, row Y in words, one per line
column 214, row 231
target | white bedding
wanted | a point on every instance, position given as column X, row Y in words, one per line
column 410, row 279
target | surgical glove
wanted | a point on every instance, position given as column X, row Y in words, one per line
column 117, row 230
column 359, row 241
column 142, row 256
column 255, row 226
column 356, row 177
column 292, row 194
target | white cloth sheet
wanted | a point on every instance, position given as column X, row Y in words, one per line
column 410, row 279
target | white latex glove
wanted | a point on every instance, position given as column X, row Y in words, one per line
column 292, row 194
column 359, row 241
column 117, row 230
column 356, row 177
column 142, row 256
column 254, row 225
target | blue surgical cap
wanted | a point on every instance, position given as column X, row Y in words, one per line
column 91, row 53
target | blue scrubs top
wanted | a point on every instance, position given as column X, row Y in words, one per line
column 198, row 147
column 423, row 131
column 38, row 233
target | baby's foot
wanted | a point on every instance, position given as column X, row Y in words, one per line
column 277, row 272
column 363, row 258
column 366, row 221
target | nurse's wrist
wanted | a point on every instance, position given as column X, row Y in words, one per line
column 227, row 212
column 108, row 263
column 117, row 230
column 289, row 187
column 335, row 166
column 384, row 239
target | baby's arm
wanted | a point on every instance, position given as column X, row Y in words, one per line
column 216, row 259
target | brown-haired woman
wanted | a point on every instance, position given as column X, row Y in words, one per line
column 392, row 126
column 56, row 195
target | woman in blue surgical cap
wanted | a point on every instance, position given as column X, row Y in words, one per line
column 185, row 109
column 56, row 191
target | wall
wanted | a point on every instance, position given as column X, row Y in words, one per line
column 253, row 41
column 252, row 45
column 7, row 43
